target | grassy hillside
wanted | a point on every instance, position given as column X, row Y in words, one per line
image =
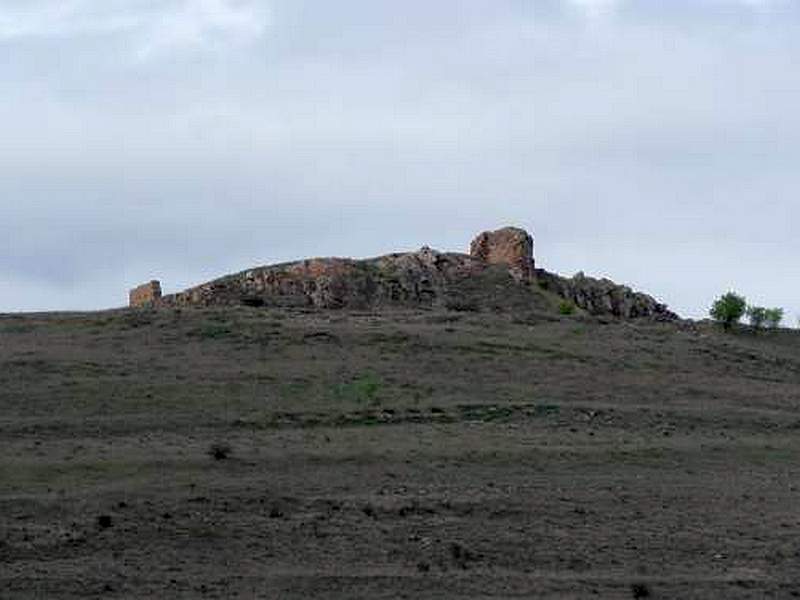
column 406, row 454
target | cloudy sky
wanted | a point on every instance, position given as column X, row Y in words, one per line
column 653, row 142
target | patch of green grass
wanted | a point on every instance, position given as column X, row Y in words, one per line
column 66, row 474
column 547, row 409
column 363, row 389
column 15, row 328
column 213, row 331
column 767, row 455
column 566, row 308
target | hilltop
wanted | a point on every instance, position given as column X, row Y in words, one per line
column 498, row 274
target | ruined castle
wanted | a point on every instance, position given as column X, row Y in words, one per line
column 498, row 273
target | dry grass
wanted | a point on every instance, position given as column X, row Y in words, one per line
column 425, row 454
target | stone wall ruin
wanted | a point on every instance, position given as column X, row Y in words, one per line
column 147, row 294
column 498, row 274
column 509, row 246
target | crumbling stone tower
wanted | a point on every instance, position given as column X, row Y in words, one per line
column 508, row 246
column 145, row 295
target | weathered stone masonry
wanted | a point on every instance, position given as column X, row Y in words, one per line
column 509, row 246
column 146, row 294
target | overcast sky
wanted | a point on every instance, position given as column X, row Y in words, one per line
column 653, row 142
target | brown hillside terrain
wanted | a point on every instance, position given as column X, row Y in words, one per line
column 424, row 453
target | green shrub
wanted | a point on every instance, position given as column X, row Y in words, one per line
column 774, row 316
column 728, row 309
column 566, row 307
column 760, row 316
column 757, row 316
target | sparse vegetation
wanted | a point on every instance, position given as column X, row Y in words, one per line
column 760, row 317
column 774, row 316
column 219, row 451
column 362, row 389
column 362, row 431
column 566, row 308
column 462, row 305
column 729, row 309
column 104, row 521
column 213, row 330
column 757, row 316
column 14, row 328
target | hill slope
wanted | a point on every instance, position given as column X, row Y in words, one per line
column 414, row 454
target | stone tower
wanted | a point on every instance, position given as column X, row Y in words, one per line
column 145, row 295
column 509, row 246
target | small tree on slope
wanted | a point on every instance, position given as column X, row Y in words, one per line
column 757, row 316
column 774, row 316
column 728, row 309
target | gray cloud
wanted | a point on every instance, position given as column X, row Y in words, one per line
column 148, row 28
column 651, row 142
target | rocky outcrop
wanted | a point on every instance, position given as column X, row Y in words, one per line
column 145, row 295
column 498, row 274
column 508, row 246
column 409, row 279
column 603, row 296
